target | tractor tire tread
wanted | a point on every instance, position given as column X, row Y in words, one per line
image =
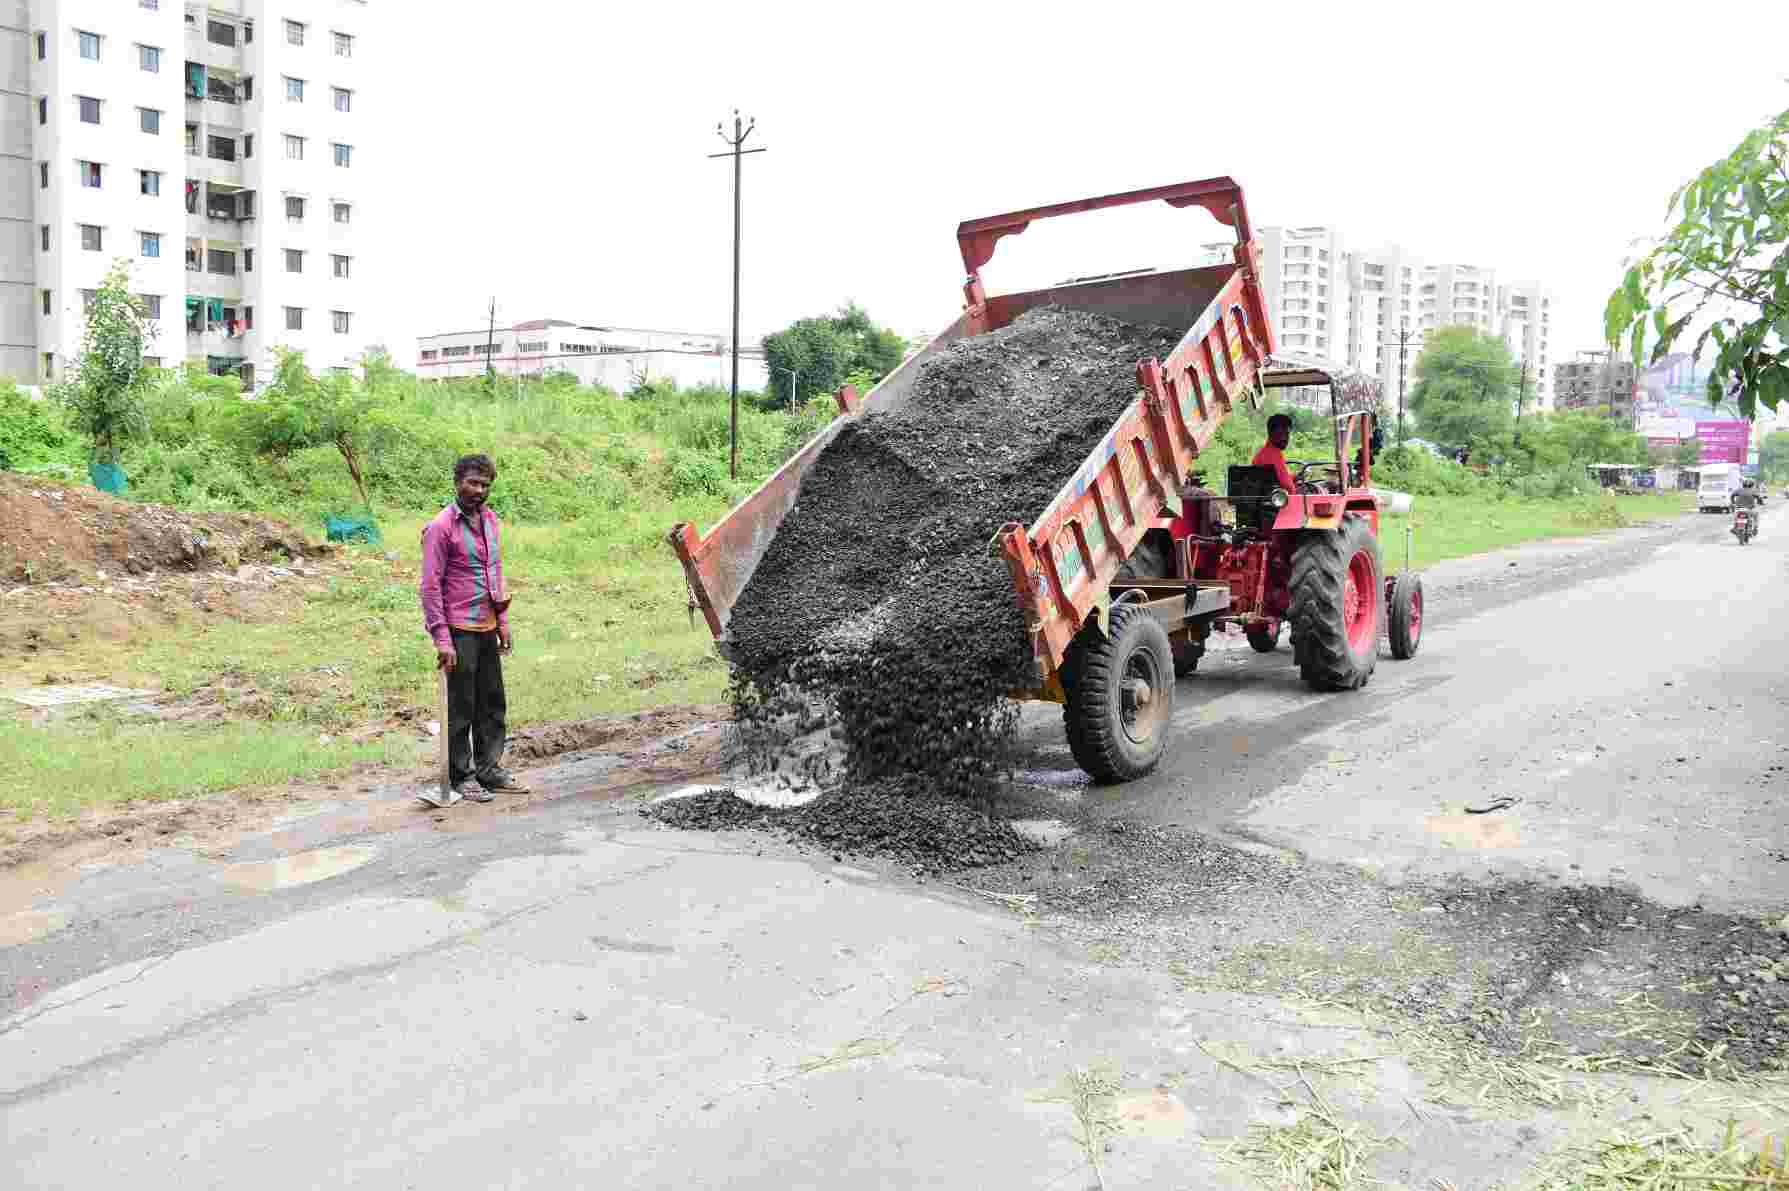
column 1092, row 734
column 1319, row 570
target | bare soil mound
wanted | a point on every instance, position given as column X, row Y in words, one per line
column 52, row 534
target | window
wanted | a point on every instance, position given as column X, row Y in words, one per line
column 248, row 32
column 294, row 90
column 88, row 298
column 344, row 99
column 248, row 88
column 428, row 353
column 294, row 315
column 49, row 365
column 248, row 144
column 294, row 36
column 343, row 212
column 43, row 233
column 344, row 45
column 43, row 175
column 455, row 351
column 220, row 148
column 340, row 319
column 89, row 109
column 248, row 260
column 294, row 148
column 294, row 209
column 43, row 46
column 220, row 33
column 46, row 301
column 89, row 44
column 220, row 260
column 43, row 109
column 248, row 318
column 294, row 261
column 92, row 237
column 150, row 121
column 152, row 243
column 344, row 155
column 92, row 174
column 149, row 58
column 152, row 305
column 538, row 346
column 151, row 5
column 339, row 265
column 192, row 139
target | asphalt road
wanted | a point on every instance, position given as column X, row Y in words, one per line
column 563, row 996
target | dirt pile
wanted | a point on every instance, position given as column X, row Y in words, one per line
column 880, row 604
column 50, row 534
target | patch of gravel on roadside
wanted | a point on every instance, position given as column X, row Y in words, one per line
column 899, row 819
column 1584, row 978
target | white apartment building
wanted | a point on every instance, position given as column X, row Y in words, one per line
column 1369, row 310
column 213, row 145
column 615, row 357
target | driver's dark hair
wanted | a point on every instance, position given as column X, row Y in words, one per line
column 1279, row 420
column 471, row 463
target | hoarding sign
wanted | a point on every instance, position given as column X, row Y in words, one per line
column 1724, row 441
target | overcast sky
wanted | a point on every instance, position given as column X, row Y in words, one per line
column 553, row 153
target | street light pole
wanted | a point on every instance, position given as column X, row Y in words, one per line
column 735, row 150
column 793, row 396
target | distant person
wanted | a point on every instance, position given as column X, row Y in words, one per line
column 1747, row 498
column 465, row 611
column 1273, row 452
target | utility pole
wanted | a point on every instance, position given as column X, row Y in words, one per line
column 735, row 150
column 794, row 398
column 1404, row 336
column 1521, row 397
column 490, row 348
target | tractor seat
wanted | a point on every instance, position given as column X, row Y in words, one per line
column 1250, row 487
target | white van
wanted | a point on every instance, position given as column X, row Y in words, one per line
column 1714, row 492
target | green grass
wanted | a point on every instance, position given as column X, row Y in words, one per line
column 61, row 769
column 1458, row 526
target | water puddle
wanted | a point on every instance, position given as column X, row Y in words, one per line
column 305, row 868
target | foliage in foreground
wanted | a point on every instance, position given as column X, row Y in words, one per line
column 1724, row 265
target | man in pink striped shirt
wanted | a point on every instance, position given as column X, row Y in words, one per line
column 465, row 611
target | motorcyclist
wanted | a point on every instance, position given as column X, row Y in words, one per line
column 1746, row 499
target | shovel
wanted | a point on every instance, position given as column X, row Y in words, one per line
column 443, row 795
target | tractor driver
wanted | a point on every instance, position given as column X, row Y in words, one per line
column 1273, row 453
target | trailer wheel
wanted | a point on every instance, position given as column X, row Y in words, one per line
column 1264, row 640
column 1335, row 609
column 1118, row 709
column 1406, row 615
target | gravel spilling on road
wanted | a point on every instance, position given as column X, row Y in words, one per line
column 881, row 607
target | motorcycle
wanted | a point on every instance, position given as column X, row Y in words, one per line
column 1745, row 525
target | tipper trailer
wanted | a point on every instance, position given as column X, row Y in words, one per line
column 1118, row 591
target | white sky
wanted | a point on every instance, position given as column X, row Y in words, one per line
column 552, row 152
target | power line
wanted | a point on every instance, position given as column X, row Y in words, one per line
column 735, row 150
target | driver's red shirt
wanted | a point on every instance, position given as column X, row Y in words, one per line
column 1272, row 456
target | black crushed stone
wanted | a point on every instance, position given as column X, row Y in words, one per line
column 881, row 604
column 897, row 818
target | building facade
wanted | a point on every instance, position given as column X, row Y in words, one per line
column 1597, row 382
column 1370, row 309
column 214, row 146
column 615, row 357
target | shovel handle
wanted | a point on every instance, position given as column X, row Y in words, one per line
column 445, row 774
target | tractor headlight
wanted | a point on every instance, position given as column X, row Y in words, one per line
column 1279, row 498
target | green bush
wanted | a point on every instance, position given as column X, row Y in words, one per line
column 35, row 436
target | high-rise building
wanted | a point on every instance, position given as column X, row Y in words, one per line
column 214, row 145
column 1369, row 309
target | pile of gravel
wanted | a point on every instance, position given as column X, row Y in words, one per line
column 896, row 818
column 881, row 606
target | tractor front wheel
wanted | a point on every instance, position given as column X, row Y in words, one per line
column 1336, row 597
column 1122, row 698
column 1405, row 614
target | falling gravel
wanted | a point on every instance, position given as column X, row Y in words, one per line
column 881, row 609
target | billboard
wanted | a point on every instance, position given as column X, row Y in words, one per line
column 1724, row 441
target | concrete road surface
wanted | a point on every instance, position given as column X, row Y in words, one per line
column 563, row 996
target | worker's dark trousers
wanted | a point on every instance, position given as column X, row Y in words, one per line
column 475, row 710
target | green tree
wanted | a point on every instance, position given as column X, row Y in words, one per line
column 1724, row 264
column 1773, row 454
column 1688, row 453
column 823, row 353
column 1465, row 391
column 103, row 387
column 302, row 410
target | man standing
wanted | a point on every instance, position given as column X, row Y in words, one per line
column 465, row 611
column 1273, row 453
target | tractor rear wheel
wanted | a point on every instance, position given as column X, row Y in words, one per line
column 1335, row 609
column 1264, row 640
column 1122, row 697
column 1406, row 615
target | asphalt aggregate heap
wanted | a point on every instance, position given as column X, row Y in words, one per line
column 881, row 607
